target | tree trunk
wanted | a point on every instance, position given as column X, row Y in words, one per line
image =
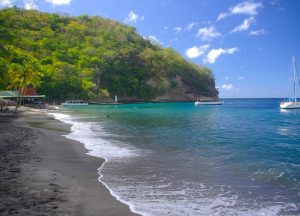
column 22, row 96
column 18, row 98
column 17, row 103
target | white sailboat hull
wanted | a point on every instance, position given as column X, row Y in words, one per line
column 290, row 105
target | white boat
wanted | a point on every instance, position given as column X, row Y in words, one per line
column 292, row 103
column 208, row 101
column 75, row 103
column 52, row 107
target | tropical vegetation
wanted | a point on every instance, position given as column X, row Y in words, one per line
column 88, row 57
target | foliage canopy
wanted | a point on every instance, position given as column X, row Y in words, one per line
column 83, row 57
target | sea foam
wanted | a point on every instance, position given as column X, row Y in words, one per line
column 88, row 134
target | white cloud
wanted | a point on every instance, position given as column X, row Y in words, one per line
column 30, row 5
column 195, row 52
column 227, row 78
column 190, row 26
column 241, row 78
column 278, row 4
column 231, row 50
column 133, row 17
column 246, row 7
column 222, row 16
column 257, row 32
column 207, row 34
column 59, row 2
column 244, row 26
column 227, row 86
column 6, row 3
column 177, row 29
column 154, row 39
column 216, row 53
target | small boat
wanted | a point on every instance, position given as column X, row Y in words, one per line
column 52, row 107
column 208, row 101
column 292, row 103
column 75, row 103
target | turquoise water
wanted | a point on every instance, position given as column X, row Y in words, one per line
column 241, row 158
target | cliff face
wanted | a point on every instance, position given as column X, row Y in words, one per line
column 185, row 92
column 181, row 93
column 95, row 58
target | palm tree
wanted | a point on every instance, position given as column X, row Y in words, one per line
column 23, row 76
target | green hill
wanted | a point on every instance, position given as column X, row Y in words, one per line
column 92, row 57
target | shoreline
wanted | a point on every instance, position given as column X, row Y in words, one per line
column 105, row 160
column 53, row 175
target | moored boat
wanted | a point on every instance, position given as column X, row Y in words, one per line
column 75, row 103
column 208, row 101
column 292, row 103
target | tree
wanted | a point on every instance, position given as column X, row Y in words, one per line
column 23, row 75
column 79, row 56
column 5, row 55
column 5, row 36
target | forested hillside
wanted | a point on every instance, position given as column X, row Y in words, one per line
column 91, row 57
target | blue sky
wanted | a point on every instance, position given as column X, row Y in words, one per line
column 247, row 44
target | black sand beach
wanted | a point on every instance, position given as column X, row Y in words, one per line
column 44, row 173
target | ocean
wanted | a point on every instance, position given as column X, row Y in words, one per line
column 241, row 158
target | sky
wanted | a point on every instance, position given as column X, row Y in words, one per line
column 248, row 44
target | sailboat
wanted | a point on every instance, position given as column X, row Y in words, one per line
column 292, row 103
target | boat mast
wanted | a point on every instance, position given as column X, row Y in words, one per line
column 294, row 71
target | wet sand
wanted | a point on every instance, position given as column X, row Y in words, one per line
column 44, row 173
